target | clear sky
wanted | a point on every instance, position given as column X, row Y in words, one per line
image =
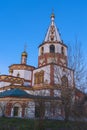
column 26, row 21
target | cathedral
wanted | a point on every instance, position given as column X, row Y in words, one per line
column 25, row 85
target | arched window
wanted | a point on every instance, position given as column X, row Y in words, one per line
column 16, row 110
column 64, row 80
column 62, row 50
column 52, row 38
column 52, row 49
column 42, row 50
column 39, row 77
column 36, row 78
column 18, row 75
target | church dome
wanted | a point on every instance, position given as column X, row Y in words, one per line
column 24, row 53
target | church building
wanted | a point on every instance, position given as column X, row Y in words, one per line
column 25, row 85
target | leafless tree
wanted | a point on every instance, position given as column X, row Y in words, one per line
column 77, row 63
column 2, row 109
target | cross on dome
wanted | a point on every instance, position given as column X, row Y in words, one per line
column 24, row 53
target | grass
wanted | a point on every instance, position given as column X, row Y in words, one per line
column 27, row 124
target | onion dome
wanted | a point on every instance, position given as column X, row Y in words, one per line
column 52, row 15
column 24, row 57
column 24, row 53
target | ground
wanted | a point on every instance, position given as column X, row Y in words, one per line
column 26, row 124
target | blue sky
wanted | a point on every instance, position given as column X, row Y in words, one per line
column 26, row 21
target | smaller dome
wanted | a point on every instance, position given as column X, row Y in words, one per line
column 52, row 15
column 24, row 53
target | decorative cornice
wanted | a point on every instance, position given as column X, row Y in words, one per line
column 35, row 87
column 45, row 86
column 53, row 42
column 21, row 67
column 11, row 79
column 16, row 86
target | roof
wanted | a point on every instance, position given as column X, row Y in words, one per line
column 21, row 67
column 14, row 93
column 52, row 32
column 79, row 93
column 53, row 35
column 18, row 93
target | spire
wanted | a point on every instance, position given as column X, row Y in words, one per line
column 52, row 15
column 25, row 47
column 52, row 33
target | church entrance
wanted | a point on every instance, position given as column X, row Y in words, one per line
column 39, row 109
column 16, row 110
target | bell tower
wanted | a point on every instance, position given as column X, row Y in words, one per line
column 52, row 50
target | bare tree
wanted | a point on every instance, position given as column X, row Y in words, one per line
column 77, row 63
column 2, row 109
column 67, row 93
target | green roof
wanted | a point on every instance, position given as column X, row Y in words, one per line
column 18, row 93
column 14, row 93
